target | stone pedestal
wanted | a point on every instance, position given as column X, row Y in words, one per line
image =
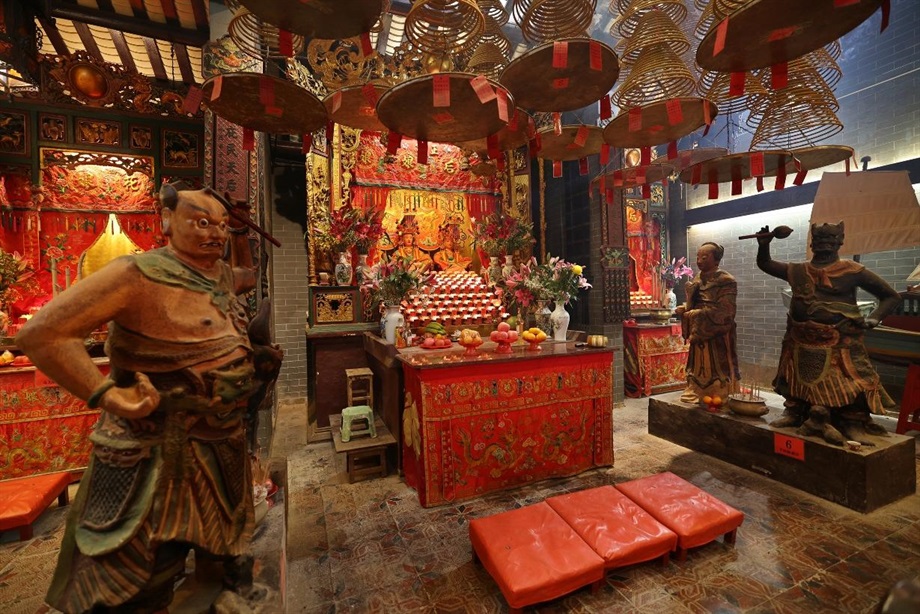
column 861, row 480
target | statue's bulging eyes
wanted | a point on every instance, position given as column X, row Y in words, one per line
column 204, row 223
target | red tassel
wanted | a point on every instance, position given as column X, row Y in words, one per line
column 557, row 169
column 606, row 111
column 583, row 166
column 306, row 142
column 605, row 154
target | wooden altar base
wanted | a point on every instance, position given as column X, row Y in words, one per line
column 862, row 480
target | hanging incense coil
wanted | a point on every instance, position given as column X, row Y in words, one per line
column 487, row 59
column 688, row 157
column 654, row 27
column 547, row 20
column 444, row 27
column 356, row 106
column 792, row 125
column 823, row 62
column 716, row 87
column 565, row 146
column 658, row 74
column 264, row 103
column 494, row 11
column 634, row 176
column 735, row 167
column 538, row 86
column 805, row 87
column 723, row 8
column 326, row 19
column 819, row 156
column 631, row 11
column 492, row 33
column 706, row 21
column 655, row 123
column 516, row 134
column 259, row 39
column 750, row 40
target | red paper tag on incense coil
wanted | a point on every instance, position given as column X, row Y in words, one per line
column 192, row 100
column 366, row 47
column 713, row 190
column 645, row 156
column 757, row 164
column 581, row 136
column 306, row 142
column 760, row 184
column 557, row 123
column 800, row 177
column 781, row 34
column 609, row 196
column 779, row 75
column 482, row 87
column 394, row 139
column 500, row 162
column 736, row 84
column 594, row 52
column 502, row 96
column 721, row 34
column 215, row 90
column 557, row 169
column 618, row 179
column 560, row 84
column 672, row 150
column 560, row 54
column 603, row 183
column 274, row 111
column 635, row 119
column 605, row 111
column 370, row 95
column 736, row 187
column 675, row 111
column 336, row 101
column 841, row 3
column 422, row 156
column 492, row 146
column 285, row 43
column 440, row 91
column 442, row 118
column 266, row 92
column 330, row 133
column 582, row 166
column 848, row 166
column 249, row 139
column 646, row 190
column 640, row 176
column 605, row 154
column 696, row 175
column 513, row 123
column 780, row 175
column 707, row 114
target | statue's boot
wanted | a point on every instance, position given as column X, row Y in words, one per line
column 858, row 426
column 794, row 415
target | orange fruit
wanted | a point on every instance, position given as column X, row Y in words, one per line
column 717, row 401
column 707, row 400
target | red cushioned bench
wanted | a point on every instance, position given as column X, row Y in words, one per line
column 696, row 516
column 24, row 499
column 620, row 531
column 534, row 555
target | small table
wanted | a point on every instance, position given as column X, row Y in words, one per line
column 365, row 457
column 655, row 359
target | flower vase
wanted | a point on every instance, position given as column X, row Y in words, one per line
column 542, row 315
column 669, row 299
column 391, row 320
column 508, row 268
column 362, row 271
column 343, row 269
column 560, row 320
column 494, row 273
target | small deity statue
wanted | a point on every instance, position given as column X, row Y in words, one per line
column 823, row 360
column 708, row 324
column 170, row 467
column 449, row 258
column 408, row 230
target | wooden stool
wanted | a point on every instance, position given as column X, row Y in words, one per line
column 366, row 463
column 352, row 414
column 360, row 386
column 909, row 418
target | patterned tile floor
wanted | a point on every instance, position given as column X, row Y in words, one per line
column 370, row 547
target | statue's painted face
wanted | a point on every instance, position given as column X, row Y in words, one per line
column 198, row 228
column 826, row 238
column 706, row 259
column 408, row 239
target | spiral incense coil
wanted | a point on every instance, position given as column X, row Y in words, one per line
column 654, row 27
column 325, row 19
column 805, row 87
column 706, row 21
column 822, row 61
column 723, row 8
column 494, row 11
column 442, row 27
column 546, row 20
column 259, row 39
column 493, row 34
column 293, row 110
column 715, row 86
column 487, row 59
column 795, row 125
column 658, row 74
column 631, row 11
column 819, row 156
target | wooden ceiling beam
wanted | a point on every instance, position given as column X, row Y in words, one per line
column 121, row 45
column 185, row 65
column 156, row 62
column 54, row 35
column 170, row 12
column 88, row 40
column 200, row 10
column 138, row 24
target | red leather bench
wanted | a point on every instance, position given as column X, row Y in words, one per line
column 696, row 516
column 534, row 555
column 620, row 531
column 24, row 499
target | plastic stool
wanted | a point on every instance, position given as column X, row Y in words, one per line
column 909, row 418
column 357, row 412
column 360, row 386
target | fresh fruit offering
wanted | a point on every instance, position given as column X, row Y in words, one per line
column 435, row 328
column 712, row 404
column 469, row 337
column 533, row 335
column 435, row 336
column 503, row 334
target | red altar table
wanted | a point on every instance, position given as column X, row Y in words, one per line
column 655, row 359
column 43, row 428
column 477, row 424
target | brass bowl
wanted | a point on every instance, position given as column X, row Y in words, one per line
column 747, row 407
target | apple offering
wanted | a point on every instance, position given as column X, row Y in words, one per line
column 504, row 336
column 436, row 337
